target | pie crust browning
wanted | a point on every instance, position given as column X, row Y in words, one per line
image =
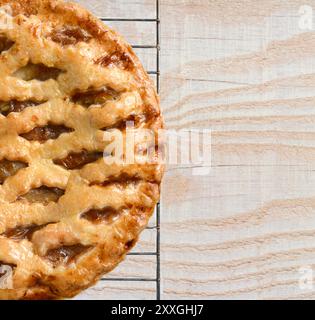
column 67, row 217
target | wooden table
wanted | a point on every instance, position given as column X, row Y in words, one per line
column 246, row 70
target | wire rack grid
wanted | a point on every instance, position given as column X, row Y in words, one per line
column 157, row 226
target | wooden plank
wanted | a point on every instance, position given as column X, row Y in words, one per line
column 147, row 57
column 136, row 33
column 249, row 243
column 114, row 290
column 245, row 70
column 135, row 267
column 121, row 8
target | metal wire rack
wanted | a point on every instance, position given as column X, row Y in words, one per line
column 157, row 226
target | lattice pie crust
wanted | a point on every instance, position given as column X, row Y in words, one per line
column 66, row 217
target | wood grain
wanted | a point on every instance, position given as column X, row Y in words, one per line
column 245, row 70
column 121, row 8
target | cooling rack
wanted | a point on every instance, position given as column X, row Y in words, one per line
column 157, row 225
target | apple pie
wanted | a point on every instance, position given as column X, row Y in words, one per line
column 67, row 217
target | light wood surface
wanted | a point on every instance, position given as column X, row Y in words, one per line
column 246, row 70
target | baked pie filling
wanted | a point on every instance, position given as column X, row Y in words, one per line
column 42, row 134
column 67, row 217
column 7, row 107
column 78, row 160
column 23, row 232
column 9, row 168
column 43, row 195
column 5, row 44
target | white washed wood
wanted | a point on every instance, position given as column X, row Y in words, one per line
column 246, row 70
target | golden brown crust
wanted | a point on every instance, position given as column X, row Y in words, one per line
column 59, row 51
